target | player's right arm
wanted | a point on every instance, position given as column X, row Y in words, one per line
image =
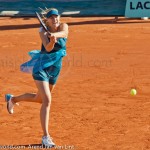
column 48, row 45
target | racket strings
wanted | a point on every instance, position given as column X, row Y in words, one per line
column 43, row 17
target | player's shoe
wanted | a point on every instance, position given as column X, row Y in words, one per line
column 10, row 104
column 47, row 141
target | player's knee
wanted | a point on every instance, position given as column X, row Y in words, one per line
column 46, row 101
column 37, row 98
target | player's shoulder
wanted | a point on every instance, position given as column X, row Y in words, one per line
column 63, row 25
column 41, row 29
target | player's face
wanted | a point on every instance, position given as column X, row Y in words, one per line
column 53, row 21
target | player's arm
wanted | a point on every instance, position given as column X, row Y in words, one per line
column 63, row 33
column 48, row 45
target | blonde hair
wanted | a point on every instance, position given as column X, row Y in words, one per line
column 44, row 12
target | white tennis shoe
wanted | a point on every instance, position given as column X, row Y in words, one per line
column 10, row 104
column 47, row 141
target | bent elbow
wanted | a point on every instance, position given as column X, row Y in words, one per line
column 65, row 34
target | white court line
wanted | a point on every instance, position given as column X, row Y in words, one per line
column 70, row 12
column 9, row 12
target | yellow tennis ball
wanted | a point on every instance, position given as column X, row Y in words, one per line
column 133, row 92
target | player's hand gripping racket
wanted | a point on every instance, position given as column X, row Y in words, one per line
column 42, row 23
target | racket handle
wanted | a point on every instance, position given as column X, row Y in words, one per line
column 49, row 34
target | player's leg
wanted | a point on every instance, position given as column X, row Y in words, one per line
column 44, row 91
column 30, row 97
column 27, row 97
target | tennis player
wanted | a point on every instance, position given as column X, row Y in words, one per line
column 45, row 67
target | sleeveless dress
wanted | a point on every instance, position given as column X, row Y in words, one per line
column 46, row 66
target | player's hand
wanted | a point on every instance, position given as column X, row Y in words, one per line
column 53, row 39
column 48, row 34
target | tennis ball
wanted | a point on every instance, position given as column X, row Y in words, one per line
column 133, row 92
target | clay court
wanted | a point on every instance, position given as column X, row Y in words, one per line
column 92, row 108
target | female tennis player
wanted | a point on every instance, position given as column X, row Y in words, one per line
column 45, row 66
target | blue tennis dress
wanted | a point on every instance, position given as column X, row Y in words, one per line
column 46, row 66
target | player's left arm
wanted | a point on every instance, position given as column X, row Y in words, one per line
column 63, row 33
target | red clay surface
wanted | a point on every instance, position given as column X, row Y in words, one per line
column 92, row 108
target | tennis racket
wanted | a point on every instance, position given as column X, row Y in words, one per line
column 42, row 23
